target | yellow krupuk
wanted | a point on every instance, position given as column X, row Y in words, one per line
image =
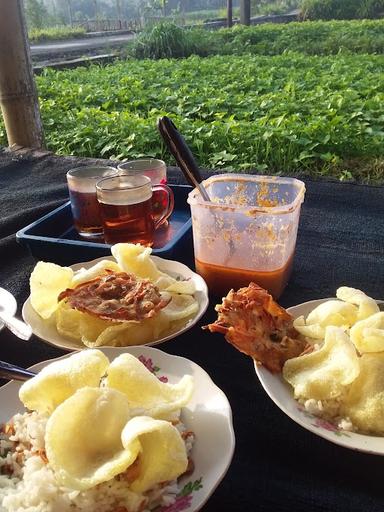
column 345, row 369
column 49, row 280
column 110, row 415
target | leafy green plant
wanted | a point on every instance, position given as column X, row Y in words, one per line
column 285, row 114
column 371, row 9
column 289, row 113
column 312, row 38
column 164, row 40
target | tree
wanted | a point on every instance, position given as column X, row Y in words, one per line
column 36, row 13
column 118, row 9
column 70, row 11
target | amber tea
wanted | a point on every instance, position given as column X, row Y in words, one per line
column 86, row 212
column 128, row 223
column 126, row 208
column 156, row 170
column 82, row 194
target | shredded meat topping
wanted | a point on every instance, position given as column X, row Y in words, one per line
column 116, row 296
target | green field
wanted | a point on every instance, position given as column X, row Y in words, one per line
column 286, row 114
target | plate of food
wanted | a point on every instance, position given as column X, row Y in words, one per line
column 110, row 429
column 131, row 298
column 321, row 362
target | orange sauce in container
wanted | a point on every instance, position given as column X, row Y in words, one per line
column 221, row 279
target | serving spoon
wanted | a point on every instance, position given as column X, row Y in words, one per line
column 182, row 154
column 8, row 308
column 187, row 163
column 12, row 371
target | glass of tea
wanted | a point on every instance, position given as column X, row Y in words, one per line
column 127, row 211
column 82, row 194
column 247, row 231
column 156, row 170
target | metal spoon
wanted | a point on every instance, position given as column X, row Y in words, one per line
column 12, row 371
column 8, row 309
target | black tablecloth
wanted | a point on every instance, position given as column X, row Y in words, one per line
column 277, row 465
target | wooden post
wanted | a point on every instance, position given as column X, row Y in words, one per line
column 18, row 95
column 229, row 14
column 245, row 12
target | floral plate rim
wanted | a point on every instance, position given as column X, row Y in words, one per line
column 47, row 331
column 214, row 418
column 280, row 393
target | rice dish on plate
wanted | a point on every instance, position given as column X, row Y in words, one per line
column 98, row 475
column 28, row 483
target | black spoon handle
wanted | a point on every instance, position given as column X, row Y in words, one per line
column 11, row 371
column 181, row 152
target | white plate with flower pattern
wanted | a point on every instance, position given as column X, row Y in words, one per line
column 46, row 329
column 208, row 415
column 281, row 393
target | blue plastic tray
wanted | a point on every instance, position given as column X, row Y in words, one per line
column 54, row 238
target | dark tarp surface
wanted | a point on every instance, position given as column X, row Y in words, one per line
column 277, row 465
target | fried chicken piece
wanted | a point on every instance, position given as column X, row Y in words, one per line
column 257, row 326
column 116, row 296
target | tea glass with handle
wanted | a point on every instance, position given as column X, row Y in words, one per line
column 82, row 194
column 156, row 170
column 127, row 208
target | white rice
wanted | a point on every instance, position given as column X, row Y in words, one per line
column 28, row 484
column 328, row 410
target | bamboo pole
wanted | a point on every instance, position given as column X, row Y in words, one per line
column 18, row 94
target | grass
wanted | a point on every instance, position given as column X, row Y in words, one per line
column 55, row 33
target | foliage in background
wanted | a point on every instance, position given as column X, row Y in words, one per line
column 371, row 9
column 64, row 12
column 287, row 114
column 168, row 40
column 273, row 6
column 258, row 7
column 196, row 17
column 36, row 13
column 341, row 9
column 313, row 38
column 37, row 35
column 45, row 13
column 165, row 40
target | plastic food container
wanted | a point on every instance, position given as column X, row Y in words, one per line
column 247, row 232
